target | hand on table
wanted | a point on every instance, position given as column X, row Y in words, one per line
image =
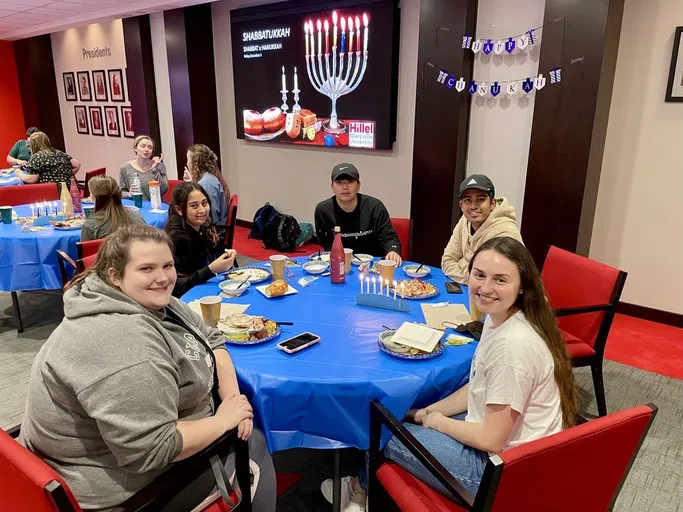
column 224, row 262
column 394, row 256
column 233, row 411
column 432, row 420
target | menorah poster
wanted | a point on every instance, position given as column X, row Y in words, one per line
column 323, row 78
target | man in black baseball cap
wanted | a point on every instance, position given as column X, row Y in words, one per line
column 364, row 221
column 484, row 217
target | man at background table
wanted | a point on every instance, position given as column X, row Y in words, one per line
column 364, row 221
column 20, row 152
column 483, row 218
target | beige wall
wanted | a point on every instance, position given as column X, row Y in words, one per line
column 638, row 222
column 294, row 180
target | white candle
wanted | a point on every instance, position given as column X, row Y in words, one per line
column 306, row 36
column 284, row 83
column 320, row 37
column 374, row 285
column 310, row 25
column 33, row 211
column 327, row 37
column 380, row 287
column 387, row 283
column 361, row 283
column 358, row 33
column 394, row 290
column 365, row 40
column 334, row 34
column 296, row 80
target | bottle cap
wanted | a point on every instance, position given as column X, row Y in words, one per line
column 153, row 183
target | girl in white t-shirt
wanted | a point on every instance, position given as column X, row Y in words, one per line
column 521, row 383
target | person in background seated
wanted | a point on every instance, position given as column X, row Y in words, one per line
column 146, row 167
column 364, row 221
column 109, row 214
column 48, row 165
column 521, row 386
column 483, row 218
column 202, row 166
column 20, row 152
column 197, row 258
column 153, row 385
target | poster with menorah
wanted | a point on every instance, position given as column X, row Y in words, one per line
column 312, row 77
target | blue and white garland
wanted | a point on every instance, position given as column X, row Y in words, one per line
column 493, row 89
column 521, row 42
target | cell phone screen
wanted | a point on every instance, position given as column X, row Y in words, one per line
column 299, row 341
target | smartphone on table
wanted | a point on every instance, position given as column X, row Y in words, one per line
column 298, row 343
column 453, row 287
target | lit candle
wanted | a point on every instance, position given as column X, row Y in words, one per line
column 33, row 211
column 306, row 36
column 361, row 283
column 350, row 34
column 380, row 287
column 327, row 37
column 310, row 26
column 365, row 37
column 387, row 283
column 334, row 34
column 394, row 290
column 296, row 80
column 374, row 285
column 284, row 83
column 343, row 29
column 320, row 37
column 358, row 33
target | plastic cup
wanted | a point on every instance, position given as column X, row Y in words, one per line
column 386, row 270
column 88, row 210
column 137, row 200
column 211, row 309
column 475, row 314
column 277, row 266
column 348, row 256
column 6, row 212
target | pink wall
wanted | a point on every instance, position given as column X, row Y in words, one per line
column 11, row 114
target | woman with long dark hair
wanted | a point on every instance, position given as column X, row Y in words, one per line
column 521, row 385
column 197, row 256
column 202, row 166
column 109, row 214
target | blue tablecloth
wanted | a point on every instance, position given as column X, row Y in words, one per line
column 9, row 179
column 28, row 259
column 319, row 398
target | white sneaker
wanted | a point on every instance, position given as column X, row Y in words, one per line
column 350, row 501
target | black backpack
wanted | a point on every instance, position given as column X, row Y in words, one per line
column 281, row 233
column 262, row 218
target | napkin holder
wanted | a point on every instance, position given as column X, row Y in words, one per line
column 46, row 219
column 373, row 300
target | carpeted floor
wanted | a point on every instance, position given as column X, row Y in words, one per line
column 655, row 483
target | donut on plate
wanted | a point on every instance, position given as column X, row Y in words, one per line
column 273, row 119
column 253, row 122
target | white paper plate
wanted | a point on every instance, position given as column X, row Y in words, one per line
column 290, row 291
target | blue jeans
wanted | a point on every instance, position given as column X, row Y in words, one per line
column 465, row 463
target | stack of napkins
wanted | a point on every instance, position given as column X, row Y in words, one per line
column 417, row 336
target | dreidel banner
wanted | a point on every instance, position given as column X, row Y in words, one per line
column 510, row 45
column 495, row 89
column 466, row 42
column 488, row 47
column 528, row 85
column 472, row 89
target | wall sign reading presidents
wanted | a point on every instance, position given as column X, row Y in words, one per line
column 97, row 52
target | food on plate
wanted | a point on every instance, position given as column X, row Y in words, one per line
column 414, row 288
column 255, row 274
column 277, row 288
column 70, row 223
column 293, row 125
column 368, row 266
column 253, row 122
column 273, row 119
column 308, row 118
column 241, row 327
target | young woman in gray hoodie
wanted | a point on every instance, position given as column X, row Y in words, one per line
column 123, row 387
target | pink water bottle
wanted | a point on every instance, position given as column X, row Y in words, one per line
column 75, row 196
column 337, row 259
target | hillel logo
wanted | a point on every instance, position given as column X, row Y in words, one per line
column 361, row 134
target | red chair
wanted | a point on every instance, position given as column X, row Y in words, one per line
column 402, row 228
column 535, row 477
column 28, row 483
column 85, row 192
column 229, row 236
column 88, row 247
column 68, row 268
column 16, row 195
column 168, row 195
column 584, row 295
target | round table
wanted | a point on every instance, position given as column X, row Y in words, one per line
column 9, row 179
column 320, row 397
column 28, row 259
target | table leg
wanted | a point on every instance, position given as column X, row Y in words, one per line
column 336, row 488
column 17, row 312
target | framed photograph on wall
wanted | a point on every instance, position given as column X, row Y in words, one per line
column 127, row 121
column 99, row 81
column 81, row 119
column 84, row 88
column 116, row 85
column 69, row 86
column 111, row 116
column 96, row 121
column 674, row 89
